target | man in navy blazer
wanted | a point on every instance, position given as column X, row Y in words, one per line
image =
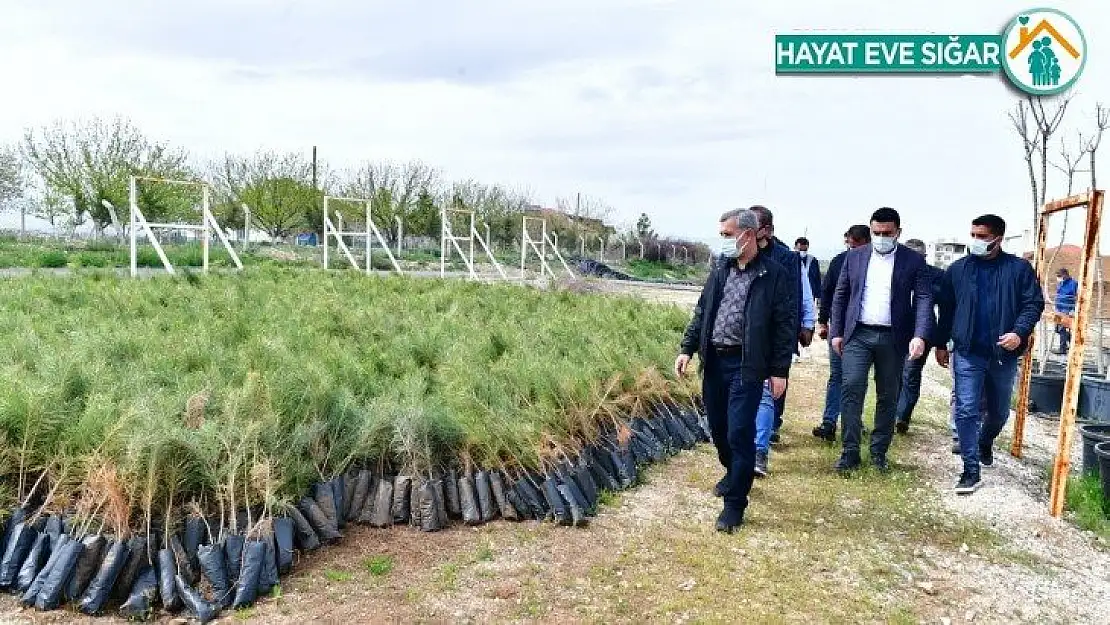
column 882, row 311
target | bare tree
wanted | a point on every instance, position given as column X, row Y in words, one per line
column 1047, row 124
column 394, row 190
column 1030, row 140
column 1090, row 147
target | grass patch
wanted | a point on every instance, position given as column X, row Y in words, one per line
column 244, row 614
column 333, row 575
column 379, row 566
column 1092, row 511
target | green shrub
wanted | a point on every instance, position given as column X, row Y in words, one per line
column 52, row 259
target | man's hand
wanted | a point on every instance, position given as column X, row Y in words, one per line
column 917, row 348
column 838, row 345
column 778, row 387
column 823, row 330
column 680, row 365
column 942, row 357
column 1009, row 341
column 805, row 337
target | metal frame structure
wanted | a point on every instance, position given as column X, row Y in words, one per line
column 540, row 248
column 208, row 224
column 1092, row 201
column 448, row 238
column 331, row 230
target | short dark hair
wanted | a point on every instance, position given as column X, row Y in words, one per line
column 1063, row 271
column 801, row 241
column 859, row 232
column 994, row 223
column 887, row 215
column 765, row 216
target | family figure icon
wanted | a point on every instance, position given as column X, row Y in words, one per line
column 1043, row 64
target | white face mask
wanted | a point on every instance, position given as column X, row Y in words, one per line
column 980, row 247
column 884, row 245
column 803, row 253
column 731, row 249
column 1059, row 280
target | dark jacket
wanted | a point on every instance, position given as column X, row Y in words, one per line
column 1065, row 296
column 814, row 275
column 1018, row 303
column 828, row 287
column 910, row 316
column 789, row 260
column 770, row 325
column 934, row 275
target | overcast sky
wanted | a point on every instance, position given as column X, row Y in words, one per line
column 672, row 108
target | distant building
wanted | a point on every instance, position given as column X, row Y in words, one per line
column 943, row 252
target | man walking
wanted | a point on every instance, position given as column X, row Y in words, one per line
column 881, row 310
column 744, row 329
column 1066, row 290
column 911, row 371
column 855, row 236
column 771, row 409
column 990, row 301
column 810, row 267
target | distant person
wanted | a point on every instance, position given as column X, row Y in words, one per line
column 744, row 330
column 811, row 267
column 882, row 310
column 990, row 302
column 1066, row 291
column 771, row 409
column 911, row 371
column 855, row 236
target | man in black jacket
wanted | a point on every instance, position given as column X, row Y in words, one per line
column 744, row 329
column 911, row 371
column 990, row 301
column 811, row 267
column 855, row 236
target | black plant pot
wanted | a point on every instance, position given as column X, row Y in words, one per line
column 1102, row 450
column 1046, row 393
column 1092, row 434
column 1094, row 399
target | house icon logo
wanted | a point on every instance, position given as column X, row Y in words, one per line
column 1044, row 51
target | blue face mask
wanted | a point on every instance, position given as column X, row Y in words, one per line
column 884, row 245
column 980, row 247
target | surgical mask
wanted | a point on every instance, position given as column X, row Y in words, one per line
column 884, row 245
column 979, row 247
column 729, row 248
column 803, row 253
column 1059, row 280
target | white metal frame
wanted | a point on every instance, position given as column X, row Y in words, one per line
column 540, row 248
column 208, row 224
column 448, row 239
column 371, row 232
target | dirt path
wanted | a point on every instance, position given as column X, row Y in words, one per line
column 817, row 548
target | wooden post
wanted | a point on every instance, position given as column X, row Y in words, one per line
column 1075, row 355
column 1027, row 359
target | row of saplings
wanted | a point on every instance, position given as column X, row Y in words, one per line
column 50, row 561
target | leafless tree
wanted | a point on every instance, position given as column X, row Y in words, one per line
column 393, row 189
column 1030, row 140
column 1090, row 146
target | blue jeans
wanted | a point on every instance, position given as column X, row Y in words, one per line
column 833, row 388
column 731, row 404
column 765, row 419
column 981, row 380
column 911, row 387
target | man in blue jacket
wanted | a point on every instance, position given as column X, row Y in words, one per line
column 990, row 301
column 811, row 267
column 1066, row 290
column 744, row 330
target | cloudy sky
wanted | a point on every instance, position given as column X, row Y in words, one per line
column 666, row 107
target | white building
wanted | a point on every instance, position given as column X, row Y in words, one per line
column 943, row 252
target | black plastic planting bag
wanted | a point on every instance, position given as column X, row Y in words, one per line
column 321, row 524
column 268, row 576
column 324, row 495
column 18, row 516
column 358, row 497
column 366, row 512
column 382, row 513
column 625, row 465
column 600, row 472
column 213, row 568
column 49, row 596
column 577, row 515
column 535, row 497
column 141, row 598
column 53, row 530
column 88, row 561
column 246, row 590
column 441, row 502
column 414, row 506
column 167, row 568
column 556, row 502
column 523, row 511
column 402, row 504
column 429, row 507
column 468, row 501
column 183, row 564
column 486, row 504
column 577, row 497
column 33, row 563
column 497, row 486
column 32, row 591
column 233, row 556
column 451, row 493
column 339, row 489
column 136, row 560
column 283, row 539
column 586, row 484
column 194, row 601
column 22, row 538
column 306, row 536
column 96, row 595
column 348, row 495
column 195, row 535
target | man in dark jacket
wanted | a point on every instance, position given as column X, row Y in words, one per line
column 855, row 236
column 990, row 301
column 811, row 267
column 882, row 310
column 744, row 329
column 911, row 371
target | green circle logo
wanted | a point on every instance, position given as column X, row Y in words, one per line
column 1043, row 51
